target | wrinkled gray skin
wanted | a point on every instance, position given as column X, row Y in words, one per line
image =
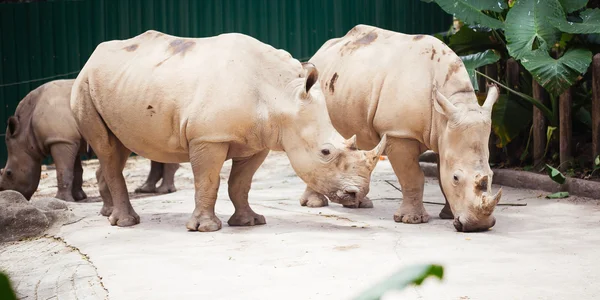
column 43, row 125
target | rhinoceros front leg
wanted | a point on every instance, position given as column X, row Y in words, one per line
column 207, row 160
column 156, row 172
column 64, row 155
column 446, row 212
column 168, row 179
column 404, row 157
column 240, row 180
column 77, row 190
column 311, row 198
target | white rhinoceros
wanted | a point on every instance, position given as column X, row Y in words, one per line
column 206, row 100
column 415, row 90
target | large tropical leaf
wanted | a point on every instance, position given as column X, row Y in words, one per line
column 470, row 11
column 467, row 41
column 474, row 61
column 509, row 117
column 590, row 24
column 415, row 274
column 573, row 5
column 527, row 27
column 557, row 75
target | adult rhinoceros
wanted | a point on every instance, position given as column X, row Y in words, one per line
column 415, row 90
column 206, row 100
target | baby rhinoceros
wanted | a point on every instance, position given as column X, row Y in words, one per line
column 415, row 90
column 43, row 125
column 207, row 100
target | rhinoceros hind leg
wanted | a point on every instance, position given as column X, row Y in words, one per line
column 446, row 212
column 404, row 157
column 240, row 180
column 77, row 191
column 107, row 206
column 64, row 155
column 168, row 179
column 207, row 160
column 311, row 198
column 155, row 174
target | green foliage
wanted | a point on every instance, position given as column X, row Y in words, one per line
column 468, row 40
column 590, row 24
column 573, row 5
column 415, row 274
column 557, row 75
column 6, row 290
column 476, row 60
column 470, row 11
column 597, row 161
column 527, row 26
column 555, row 175
column 508, row 119
column 558, row 195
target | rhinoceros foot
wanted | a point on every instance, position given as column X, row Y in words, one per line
column 123, row 218
column 106, row 210
column 412, row 214
column 204, row 223
column 65, row 195
column 79, row 194
column 166, row 189
column 313, row 199
column 146, row 188
column 246, row 218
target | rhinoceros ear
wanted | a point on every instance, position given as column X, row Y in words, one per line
column 443, row 105
column 13, row 126
column 312, row 75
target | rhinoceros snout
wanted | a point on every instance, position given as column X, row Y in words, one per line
column 466, row 226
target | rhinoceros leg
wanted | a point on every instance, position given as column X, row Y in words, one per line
column 107, row 207
column 446, row 212
column 240, row 180
column 64, row 155
column 77, row 190
column 311, row 198
column 112, row 163
column 156, row 172
column 404, row 157
column 168, row 179
column 207, row 160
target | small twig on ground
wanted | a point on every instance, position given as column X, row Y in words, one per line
column 437, row 203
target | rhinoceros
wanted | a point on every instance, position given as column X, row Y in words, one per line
column 43, row 125
column 208, row 100
column 416, row 91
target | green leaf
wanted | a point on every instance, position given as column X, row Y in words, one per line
column 473, row 61
column 597, row 161
column 558, row 195
column 415, row 274
column 470, row 11
column 584, row 116
column 573, row 5
column 509, row 118
column 555, row 175
column 6, row 291
column 557, row 75
column 590, row 24
column 467, row 40
column 527, row 26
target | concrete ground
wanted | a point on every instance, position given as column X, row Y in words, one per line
column 545, row 250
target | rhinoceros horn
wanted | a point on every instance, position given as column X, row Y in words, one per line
column 489, row 203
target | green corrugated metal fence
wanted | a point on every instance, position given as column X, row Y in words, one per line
column 40, row 40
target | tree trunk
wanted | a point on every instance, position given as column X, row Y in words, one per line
column 565, row 103
column 596, row 105
column 512, row 81
column 539, row 124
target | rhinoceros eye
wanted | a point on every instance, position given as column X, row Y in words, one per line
column 325, row 152
column 455, row 177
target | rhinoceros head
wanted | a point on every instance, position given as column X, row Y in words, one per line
column 465, row 173
column 320, row 156
column 22, row 170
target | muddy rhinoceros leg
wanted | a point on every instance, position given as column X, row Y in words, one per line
column 156, row 172
column 207, row 160
column 404, row 157
column 64, row 155
column 107, row 206
column 77, row 190
column 311, row 198
column 446, row 212
column 240, row 180
column 168, row 179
